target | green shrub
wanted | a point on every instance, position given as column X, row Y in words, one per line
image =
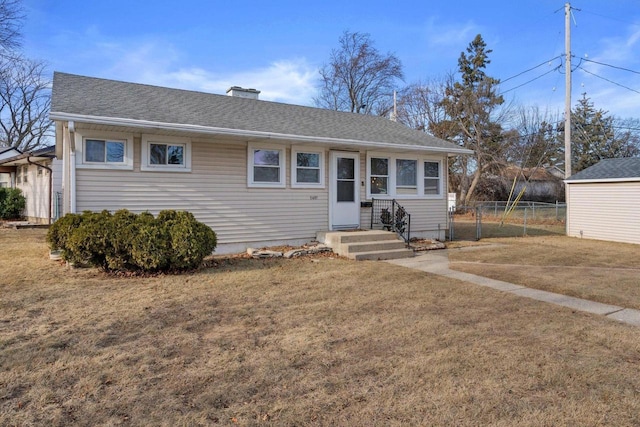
column 60, row 231
column 91, row 241
column 12, row 203
column 191, row 240
column 125, row 241
column 151, row 246
column 123, row 229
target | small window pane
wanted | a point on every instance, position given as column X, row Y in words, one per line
column 378, row 185
column 431, row 186
column 94, row 150
column 406, row 173
column 115, row 152
column 266, row 157
column 266, row 174
column 346, row 191
column 346, row 168
column 379, row 166
column 158, row 154
column 308, row 176
column 431, row 169
column 311, row 160
column 175, row 155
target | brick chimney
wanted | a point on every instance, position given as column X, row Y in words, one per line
column 241, row 92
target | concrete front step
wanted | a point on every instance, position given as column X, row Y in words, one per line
column 381, row 255
column 371, row 246
column 366, row 244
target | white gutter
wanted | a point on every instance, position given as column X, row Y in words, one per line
column 116, row 121
column 602, row 180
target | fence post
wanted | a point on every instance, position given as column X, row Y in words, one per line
column 478, row 222
column 495, row 211
column 525, row 222
column 556, row 210
column 451, row 211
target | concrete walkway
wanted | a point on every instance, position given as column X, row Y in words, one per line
column 437, row 262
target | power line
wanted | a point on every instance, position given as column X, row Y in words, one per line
column 530, row 81
column 609, row 65
column 530, row 69
column 635, row 24
column 610, row 81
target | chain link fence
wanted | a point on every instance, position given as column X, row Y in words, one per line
column 502, row 219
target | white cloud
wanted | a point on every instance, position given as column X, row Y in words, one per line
column 152, row 62
column 291, row 81
column 621, row 49
column 444, row 36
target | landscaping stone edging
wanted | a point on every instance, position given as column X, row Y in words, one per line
column 293, row 253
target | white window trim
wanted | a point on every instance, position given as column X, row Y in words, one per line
column 421, row 177
column 127, row 164
column 145, row 156
column 392, row 192
column 294, row 167
column 283, row 166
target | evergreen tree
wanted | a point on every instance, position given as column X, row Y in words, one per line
column 471, row 106
column 594, row 136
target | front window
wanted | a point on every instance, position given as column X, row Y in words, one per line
column 307, row 168
column 165, row 154
column 379, row 175
column 406, row 173
column 266, row 167
column 104, row 151
column 432, row 178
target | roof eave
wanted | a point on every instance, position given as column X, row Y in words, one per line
column 210, row 130
column 601, row 180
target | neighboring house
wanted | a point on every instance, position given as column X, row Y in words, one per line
column 603, row 201
column 541, row 184
column 6, row 171
column 258, row 173
column 38, row 175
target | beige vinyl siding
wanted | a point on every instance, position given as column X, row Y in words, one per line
column 604, row 211
column 215, row 192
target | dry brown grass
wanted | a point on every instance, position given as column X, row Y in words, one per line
column 465, row 229
column 297, row 342
column 607, row 272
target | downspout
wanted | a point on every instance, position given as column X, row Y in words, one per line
column 72, row 166
column 50, row 184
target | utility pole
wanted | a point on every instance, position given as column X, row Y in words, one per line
column 567, row 96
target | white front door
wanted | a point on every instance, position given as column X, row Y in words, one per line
column 344, row 190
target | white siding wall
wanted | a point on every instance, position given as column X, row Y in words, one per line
column 36, row 193
column 215, row 192
column 604, row 211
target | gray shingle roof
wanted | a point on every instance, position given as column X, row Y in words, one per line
column 88, row 96
column 628, row 167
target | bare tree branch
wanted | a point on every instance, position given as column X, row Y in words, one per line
column 358, row 78
column 11, row 19
column 25, row 101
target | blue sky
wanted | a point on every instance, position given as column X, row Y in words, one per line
column 277, row 46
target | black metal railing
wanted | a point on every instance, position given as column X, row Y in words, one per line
column 389, row 215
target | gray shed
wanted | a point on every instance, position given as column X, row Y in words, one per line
column 603, row 201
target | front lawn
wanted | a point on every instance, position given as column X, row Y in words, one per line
column 309, row 341
column 606, row 272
